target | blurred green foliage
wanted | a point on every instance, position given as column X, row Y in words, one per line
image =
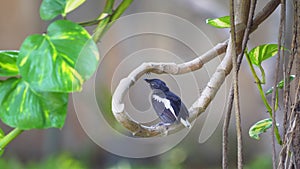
column 174, row 159
column 260, row 162
column 63, row 161
column 104, row 98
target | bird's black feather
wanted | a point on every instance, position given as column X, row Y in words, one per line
column 167, row 105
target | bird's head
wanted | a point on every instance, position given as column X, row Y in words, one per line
column 157, row 84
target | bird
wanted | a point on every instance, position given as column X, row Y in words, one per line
column 167, row 105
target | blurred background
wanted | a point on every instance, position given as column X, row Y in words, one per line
column 71, row 147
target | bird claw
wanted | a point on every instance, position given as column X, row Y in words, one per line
column 157, row 125
column 163, row 124
column 163, row 128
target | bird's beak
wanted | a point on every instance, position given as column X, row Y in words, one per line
column 147, row 80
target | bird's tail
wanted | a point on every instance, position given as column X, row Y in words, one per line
column 185, row 122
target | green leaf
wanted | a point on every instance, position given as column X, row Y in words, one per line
column 222, row 22
column 280, row 85
column 52, row 8
column 262, row 52
column 74, row 42
column 24, row 108
column 58, row 61
column 8, row 66
column 259, row 128
column 73, row 4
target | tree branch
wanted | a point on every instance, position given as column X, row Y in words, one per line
column 199, row 106
column 231, row 94
column 226, row 128
column 286, row 95
column 275, row 92
column 296, row 107
column 118, row 107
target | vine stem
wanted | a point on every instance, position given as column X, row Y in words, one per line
column 226, row 128
column 251, row 25
column 236, row 88
column 108, row 16
column 9, row 137
column 102, row 26
column 263, row 96
column 281, row 37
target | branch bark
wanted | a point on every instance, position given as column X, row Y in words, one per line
column 280, row 42
column 231, row 94
column 296, row 136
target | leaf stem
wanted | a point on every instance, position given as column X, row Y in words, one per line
column 9, row 137
column 263, row 75
column 263, row 96
column 102, row 26
column 120, row 9
column 109, row 17
column 89, row 23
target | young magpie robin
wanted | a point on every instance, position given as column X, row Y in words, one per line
column 168, row 106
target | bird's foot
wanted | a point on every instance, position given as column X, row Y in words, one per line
column 162, row 126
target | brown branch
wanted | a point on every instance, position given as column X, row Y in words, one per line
column 286, row 95
column 265, row 13
column 226, row 128
column 235, row 85
column 231, row 94
column 275, row 92
column 171, row 68
column 199, row 105
column 296, row 136
column 240, row 41
column 293, row 141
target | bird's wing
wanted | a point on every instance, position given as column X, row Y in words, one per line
column 180, row 109
column 184, row 113
column 178, row 105
column 175, row 102
column 163, row 108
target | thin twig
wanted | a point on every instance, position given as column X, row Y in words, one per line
column 247, row 31
column 92, row 22
column 236, row 88
column 231, row 95
column 226, row 129
column 286, row 95
column 239, row 40
column 274, row 93
column 265, row 13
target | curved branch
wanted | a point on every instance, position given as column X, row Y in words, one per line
column 118, row 107
column 200, row 105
